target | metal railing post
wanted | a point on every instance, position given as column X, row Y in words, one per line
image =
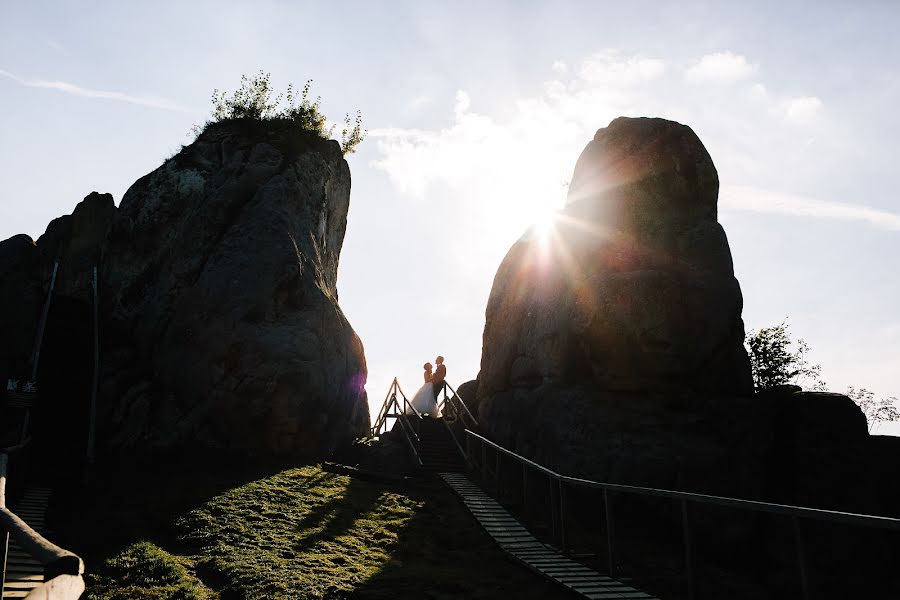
column 562, row 511
column 801, row 557
column 610, row 534
column 484, row 463
column 497, row 487
column 553, row 507
column 524, row 490
column 4, row 550
column 688, row 549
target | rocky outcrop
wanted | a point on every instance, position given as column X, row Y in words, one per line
column 606, row 344
column 219, row 279
column 613, row 350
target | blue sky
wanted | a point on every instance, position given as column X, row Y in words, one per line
column 476, row 113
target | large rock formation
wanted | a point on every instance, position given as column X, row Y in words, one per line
column 219, row 275
column 614, row 348
column 219, row 319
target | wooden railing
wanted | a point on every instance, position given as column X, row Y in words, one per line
column 63, row 570
column 405, row 413
column 796, row 514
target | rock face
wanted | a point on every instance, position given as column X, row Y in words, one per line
column 613, row 349
column 219, row 280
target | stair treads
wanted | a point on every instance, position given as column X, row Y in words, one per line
column 519, row 543
column 24, row 573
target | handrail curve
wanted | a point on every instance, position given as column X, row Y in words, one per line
column 63, row 569
column 821, row 514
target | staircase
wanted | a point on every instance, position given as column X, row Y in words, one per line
column 437, row 448
column 23, row 571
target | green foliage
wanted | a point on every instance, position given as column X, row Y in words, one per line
column 222, row 530
column 145, row 571
column 879, row 410
column 253, row 100
column 775, row 359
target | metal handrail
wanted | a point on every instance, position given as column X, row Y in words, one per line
column 461, row 401
column 63, row 570
column 794, row 512
column 834, row 516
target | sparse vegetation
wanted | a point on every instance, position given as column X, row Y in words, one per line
column 254, row 100
column 880, row 410
column 776, row 359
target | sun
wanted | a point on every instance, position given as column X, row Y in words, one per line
column 543, row 222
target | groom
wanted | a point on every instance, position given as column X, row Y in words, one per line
column 440, row 373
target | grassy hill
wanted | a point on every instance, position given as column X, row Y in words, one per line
column 199, row 531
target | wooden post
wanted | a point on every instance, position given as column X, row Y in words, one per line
column 688, row 550
column 93, row 411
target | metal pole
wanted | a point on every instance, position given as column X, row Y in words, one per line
column 4, row 459
column 4, row 551
column 801, row 557
column 484, row 462
column 552, row 506
column 36, row 353
column 610, row 534
column 688, row 550
column 524, row 490
column 497, row 486
column 562, row 510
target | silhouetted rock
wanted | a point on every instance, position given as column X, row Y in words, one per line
column 20, row 304
column 605, row 344
column 613, row 350
column 76, row 241
column 219, row 277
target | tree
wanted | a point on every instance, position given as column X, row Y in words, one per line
column 253, row 100
column 777, row 360
column 877, row 411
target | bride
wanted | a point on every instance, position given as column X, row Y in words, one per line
column 424, row 401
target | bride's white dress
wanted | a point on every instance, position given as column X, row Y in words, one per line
column 424, row 401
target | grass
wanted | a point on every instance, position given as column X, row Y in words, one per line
column 300, row 532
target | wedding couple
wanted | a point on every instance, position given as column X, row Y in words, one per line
column 425, row 400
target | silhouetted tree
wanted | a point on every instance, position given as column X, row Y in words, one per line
column 882, row 410
column 775, row 359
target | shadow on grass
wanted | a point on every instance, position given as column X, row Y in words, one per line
column 125, row 503
column 442, row 553
column 336, row 516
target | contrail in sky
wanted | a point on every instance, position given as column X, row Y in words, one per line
column 77, row 90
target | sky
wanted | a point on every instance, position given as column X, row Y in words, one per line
column 476, row 113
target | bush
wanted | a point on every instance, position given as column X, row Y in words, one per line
column 775, row 359
column 253, row 100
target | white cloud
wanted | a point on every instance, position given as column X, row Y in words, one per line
column 803, row 109
column 745, row 198
column 721, row 67
column 76, row 90
column 560, row 67
column 610, row 68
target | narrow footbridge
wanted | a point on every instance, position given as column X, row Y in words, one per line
column 540, row 517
